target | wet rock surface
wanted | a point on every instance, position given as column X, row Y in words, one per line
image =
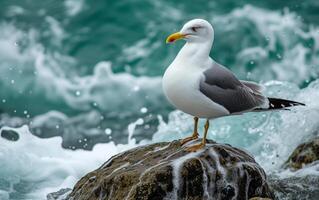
column 166, row 171
column 304, row 154
column 9, row 135
column 295, row 188
column 62, row 194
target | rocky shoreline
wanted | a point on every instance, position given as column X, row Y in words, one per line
column 166, row 171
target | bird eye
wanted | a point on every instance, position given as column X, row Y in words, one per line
column 195, row 28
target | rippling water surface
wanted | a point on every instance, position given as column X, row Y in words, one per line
column 81, row 81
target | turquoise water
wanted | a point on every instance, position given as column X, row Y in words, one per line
column 77, row 73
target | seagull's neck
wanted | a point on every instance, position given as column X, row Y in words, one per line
column 195, row 51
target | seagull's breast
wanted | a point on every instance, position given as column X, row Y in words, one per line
column 181, row 87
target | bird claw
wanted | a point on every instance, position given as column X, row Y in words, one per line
column 187, row 139
column 195, row 147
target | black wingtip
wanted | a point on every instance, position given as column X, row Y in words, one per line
column 275, row 103
column 302, row 104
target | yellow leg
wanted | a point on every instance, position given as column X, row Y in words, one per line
column 195, row 133
column 203, row 143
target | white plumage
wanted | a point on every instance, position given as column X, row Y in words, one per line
column 181, row 87
column 195, row 84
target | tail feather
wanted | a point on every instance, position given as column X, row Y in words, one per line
column 282, row 104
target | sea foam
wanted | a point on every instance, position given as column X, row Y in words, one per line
column 43, row 166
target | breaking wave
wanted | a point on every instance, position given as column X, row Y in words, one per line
column 57, row 99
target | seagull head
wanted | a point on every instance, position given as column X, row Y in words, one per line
column 196, row 30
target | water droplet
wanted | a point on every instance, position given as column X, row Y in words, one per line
column 25, row 112
column 57, row 126
column 147, row 126
column 252, row 62
column 108, row 131
column 3, row 100
column 140, row 121
column 12, row 81
column 77, row 93
column 136, row 88
column 143, row 110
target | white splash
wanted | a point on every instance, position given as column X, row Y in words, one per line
column 294, row 60
column 131, row 129
column 45, row 163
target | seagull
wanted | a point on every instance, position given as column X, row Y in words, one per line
column 196, row 84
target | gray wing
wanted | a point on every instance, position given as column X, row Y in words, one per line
column 221, row 86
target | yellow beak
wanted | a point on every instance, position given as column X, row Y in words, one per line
column 174, row 37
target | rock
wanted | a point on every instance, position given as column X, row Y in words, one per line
column 295, row 188
column 166, row 171
column 9, row 134
column 304, row 154
column 59, row 195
